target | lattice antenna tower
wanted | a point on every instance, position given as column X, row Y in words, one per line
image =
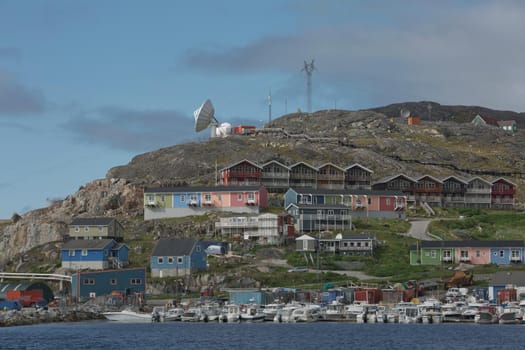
column 308, row 68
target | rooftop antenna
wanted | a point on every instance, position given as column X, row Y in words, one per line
column 270, row 106
column 308, row 68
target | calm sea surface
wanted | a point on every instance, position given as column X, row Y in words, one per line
column 177, row 335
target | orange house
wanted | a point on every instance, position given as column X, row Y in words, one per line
column 414, row 120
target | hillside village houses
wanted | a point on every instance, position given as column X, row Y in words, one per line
column 507, row 125
column 314, row 199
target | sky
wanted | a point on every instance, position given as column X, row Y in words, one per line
column 87, row 85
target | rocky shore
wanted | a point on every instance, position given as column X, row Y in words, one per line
column 30, row 316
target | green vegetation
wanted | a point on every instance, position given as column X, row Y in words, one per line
column 481, row 225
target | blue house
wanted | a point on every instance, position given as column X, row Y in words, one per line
column 129, row 283
column 177, row 257
column 94, row 254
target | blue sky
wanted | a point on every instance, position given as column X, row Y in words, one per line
column 87, row 85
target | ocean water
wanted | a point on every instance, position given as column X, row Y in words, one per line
column 188, row 336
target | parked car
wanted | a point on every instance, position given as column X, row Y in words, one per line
column 298, row 269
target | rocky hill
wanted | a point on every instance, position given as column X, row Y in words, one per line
column 368, row 137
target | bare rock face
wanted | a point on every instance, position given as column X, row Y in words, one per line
column 105, row 197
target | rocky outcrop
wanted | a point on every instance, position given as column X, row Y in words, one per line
column 105, row 197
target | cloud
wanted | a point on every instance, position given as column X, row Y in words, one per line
column 450, row 52
column 17, row 99
column 132, row 130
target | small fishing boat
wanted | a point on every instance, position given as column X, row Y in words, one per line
column 127, row 315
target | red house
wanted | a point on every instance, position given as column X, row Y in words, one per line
column 243, row 173
column 503, row 193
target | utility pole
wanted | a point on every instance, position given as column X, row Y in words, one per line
column 308, row 68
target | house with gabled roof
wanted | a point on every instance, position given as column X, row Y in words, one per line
column 503, row 193
column 358, row 177
column 275, row 176
column 499, row 252
column 478, row 193
column 454, row 188
column 95, row 254
column 480, row 120
column 399, row 182
column 172, row 202
column 359, row 203
column 242, row 173
column 350, row 244
column 330, row 176
column 96, row 228
column 320, row 217
column 303, row 175
column 428, row 189
column 177, row 257
column 508, row 125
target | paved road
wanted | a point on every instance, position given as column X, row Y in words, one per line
column 418, row 229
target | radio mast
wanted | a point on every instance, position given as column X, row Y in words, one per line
column 308, row 68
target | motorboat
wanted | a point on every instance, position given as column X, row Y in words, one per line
column 511, row 314
column 307, row 313
column 127, row 315
column 335, row 312
column 233, row 313
column 285, row 315
column 355, row 312
column 452, row 312
column 161, row 314
column 408, row 312
column 193, row 314
column 487, row 314
column 251, row 313
column 271, row 310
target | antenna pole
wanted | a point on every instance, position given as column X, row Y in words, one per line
column 270, row 106
column 308, row 68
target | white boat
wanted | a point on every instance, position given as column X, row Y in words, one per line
column 251, row 313
column 511, row 314
column 408, row 312
column 307, row 313
column 211, row 312
column 487, row 314
column 233, row 313
column 128, row 316
column 335, row 312
column 271, row 310
column 452, row 312
column 193, row 314
column 355, row 313
column 285, row 315
column 160, row 314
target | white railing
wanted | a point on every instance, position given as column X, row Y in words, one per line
column 35, row 276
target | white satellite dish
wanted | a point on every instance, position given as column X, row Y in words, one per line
column 404, row 113
column 204, row 116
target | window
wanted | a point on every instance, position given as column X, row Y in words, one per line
column 179, row 260
column 515, row 253
column 77, row 229
column 170, row 260
column 207, row 198
column 160, row 260
column 198, row 248
column 162, row 198
column 84, row 252
column 71, row 252
column 369, row 201
column 388, row 201
column 136, row 281
column 100, row 228
column 251, row 196
column 113, row 281
column 88, row 281
column 446, row 254
column 86, row 228
column 219, row 197
column 501, row 253
column 239, row 197
column 330, row 213
column 478, row 253
column 464, row 254
column 433, row 254
column 182, row 198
